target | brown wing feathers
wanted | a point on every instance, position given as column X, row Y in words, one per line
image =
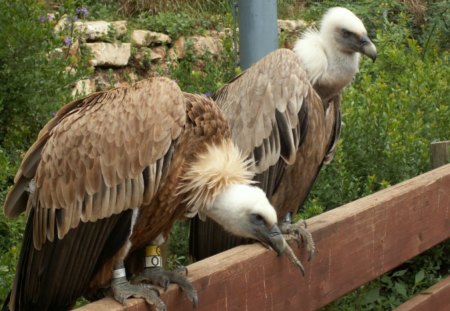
column 60, row 272
column 269, row 110
column 98, row 158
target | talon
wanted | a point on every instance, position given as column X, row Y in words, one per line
column 122, row 289
column 181, row 270
column 159, row 276
column 298, row 232
column 294, row 259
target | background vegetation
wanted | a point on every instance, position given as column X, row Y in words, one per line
column 393, row 110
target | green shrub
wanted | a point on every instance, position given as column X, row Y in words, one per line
column 393, row 110
column 35, row 83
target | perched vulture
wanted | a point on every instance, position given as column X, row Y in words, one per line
column 284, row 114
column 109, row 175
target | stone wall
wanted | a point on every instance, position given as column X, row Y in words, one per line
column 121, row 55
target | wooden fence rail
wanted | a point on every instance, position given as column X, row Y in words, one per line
column 356, row 243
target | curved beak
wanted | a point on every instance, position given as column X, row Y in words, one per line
column 367, row 48
column 272, row 237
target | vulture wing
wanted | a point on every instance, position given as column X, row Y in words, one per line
column 266, row 108
column 278, row 119
column 98, row 159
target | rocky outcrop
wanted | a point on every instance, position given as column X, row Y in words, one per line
column 143, row 38
column 83, row 87
column 145, row 48
column 109, row 54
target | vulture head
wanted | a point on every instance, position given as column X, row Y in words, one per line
column 341, row 29
column 245, row 211
column 218, row 186
column 331, row 54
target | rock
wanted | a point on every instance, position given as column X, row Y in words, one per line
column 145, row 56
column 142, row 38
column 120, row 27
column 202, row 45
column 291, row 25
column 132, row 77
column 109, row 54
column 227, row 32
column 83, row 88
column 160, row 38
column 172, row 55
column 92, row 31
column 158, row 53
column 96, row 30
column 178, row 51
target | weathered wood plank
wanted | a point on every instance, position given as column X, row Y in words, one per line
column 440, row 153
column 436, row 298
column 356, row 243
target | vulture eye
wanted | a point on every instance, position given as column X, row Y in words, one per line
column 257, row 219
column 346, row 33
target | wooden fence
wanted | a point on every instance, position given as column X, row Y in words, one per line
column 356, row 243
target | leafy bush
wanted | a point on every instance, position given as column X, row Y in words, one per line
column 180, row 23
column 204, row 74
column 392, row 111
column 35, row 83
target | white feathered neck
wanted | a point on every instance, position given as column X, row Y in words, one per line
column 328, row 67
column 220, row 166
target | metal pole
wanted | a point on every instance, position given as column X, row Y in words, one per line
column 258, row 32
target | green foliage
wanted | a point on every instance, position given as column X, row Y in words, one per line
column 391, row 113
column 181, row 23
column 134, row 7
column 204, row 74
column 178, row 245
column 393, row 288
column 35, row 83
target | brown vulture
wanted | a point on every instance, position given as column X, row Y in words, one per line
column 284, row 114
column 109, row 175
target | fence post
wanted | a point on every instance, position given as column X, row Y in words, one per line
column 440, row 153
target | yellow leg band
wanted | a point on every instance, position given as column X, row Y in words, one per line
column 152, row 250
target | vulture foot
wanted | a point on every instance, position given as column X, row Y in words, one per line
column 293, row 258
column 298, row 231
column 159, row 276
column 122, row 289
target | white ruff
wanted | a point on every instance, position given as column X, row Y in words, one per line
column 220, row 166
column 327, row 62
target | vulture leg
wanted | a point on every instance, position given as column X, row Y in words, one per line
column 155, row 274
column 298, row 231
column 123, row 289
column 159, row 276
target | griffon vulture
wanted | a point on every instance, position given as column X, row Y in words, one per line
column 284, row 113
column 109, row 175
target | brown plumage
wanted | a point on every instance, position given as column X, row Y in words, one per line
column 277, row 119
column 113, row 164
column 86, row 174
column 284, row 113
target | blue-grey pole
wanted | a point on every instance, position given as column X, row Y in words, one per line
column 258, row 33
